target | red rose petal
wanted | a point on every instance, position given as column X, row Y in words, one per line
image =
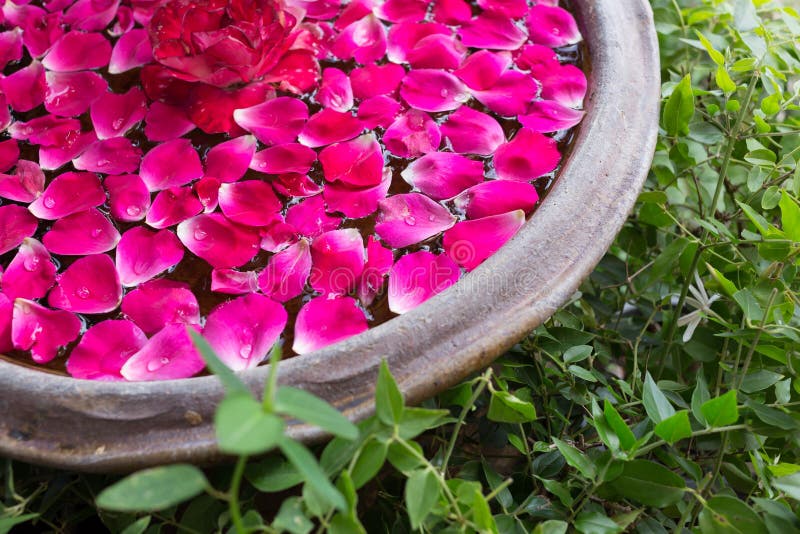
column 408, row 219
column 89, row 285
column 42, row 331
column 172, row 163
column 143, row 254
column 469, row 243
column 219, row 241
column 443, row 175
column 418, row 276
column 82, row 233
column 322, row 322
column 104, row 349
column 285, row 276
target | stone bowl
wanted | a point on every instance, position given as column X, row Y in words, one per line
column 103, row 427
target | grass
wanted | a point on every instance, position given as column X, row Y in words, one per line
column 663, row 398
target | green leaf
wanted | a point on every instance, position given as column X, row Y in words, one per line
column 674, row 428
column 388, row 399
column 7, row 523
column 790, row 217
column 273, row 474
column 699, row 396
column 312, row 473
column 649, row 483
column 229, row 380
column 415, row 421
column 421, row 494
column 772, row 416
column 576, row 459
column 138, row 526
column 724, row 80
column 727, row 514
column 552, row 526
column 243, row 427
column 716, row 56
column 505, row 407
column 721, row 411
column 311, row 409
column 790, row 485
column 655, row 402
column 577, row 354
column 679, row 109
column 749, row 305
column 291, row 517
column 596, row 523
column 404, row 460
column 369, row 462
column 153, row 489
column 618, row 425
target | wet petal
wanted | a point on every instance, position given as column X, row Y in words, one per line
column 159, row 303
column 492, row 30
column 358, row 162
column 168, row 355
column 170, row 164
column 433, row 90
column 285, row 276
column 452, row 12
column 377, row 111
column 356, row 202
column 233, row 282
column 379, row 263
column 322, row 322
column 110, row 156
column 25, row 184
column 405, row 35
column 274, row 122
column 402, row 10
column 547, row 116
column 212, row 108
column 89, row 285
column 298, row 72
column 437, row 51
column 9, row 154
column 46, row 130
column 472, row 132
column 77, row 50
column 243, row 331
column 338, row 259
column 207, row 191
column 251, row 202
column 25, row 89
column 143, row 254
column 418, row 276
column 329, row 126
column 510, row 8
column 70, row 94
column 335, row 92
column 495, row 197
column 309, row 218
column 291, row 157
column 536, row 57
column 293, row 184
column 16, row 223
column 85, row 232
column 412, row 135
column 364, row 40
column 104, row 349
column 373, row 80
column 42, row 331
column 51, row 158
column 69, row 193
column 481, row 70
column 6, row 313
column 131, row 50
column 526, row 157
column 172, row 206
column 228, row 161
column 407, row 219
column 91, row 15
column 219, row 241
column 113, row 115
column 552, row 26
column 31, row 273
column 164, row 122
column 128, row 197
column 566, row 85
column 511, row 95
column 10, row 46
column 468, row 243
column 443, row 175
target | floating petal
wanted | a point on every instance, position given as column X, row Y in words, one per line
column 42, row 331
column 481, row 70
column 356, row 202
column 158, row 303
column 511, row 95
column 418, row 276
column 373, row 80
column 170, row 164
column 228, row 161
column 70, row 94
column 329, row 126
column 379, row 263
column 89, row 285
column 6, row 313
column 322, row 322
column 128, row 197
column 16, row 223
column 495, row 197
column 402, row 10
column 143, row 254
column 412, row 135
column 451, row 12
column 131, row 50
column 442, row 175
column 510, row 8
column 26, row 88
column 207, row 191
column 338, row 259
column 25, row 184
column 291, row 157
column 468, row 243
column 472, row 132
column 433, row 90
column 110, row 156
column 437, row 51
column 285, row 276
column 219, row 241
column 552, row 26
column 293, row 184
column 91, row 15
column 358, row 162
column 364, row 40
column 492, row 30
column 113, row 115
column 335, row 93
column 408, row 219
column 168, row 355
column 547, row 116
column 251, row 202
column 68, row 193
column 31, row 273
column 9, row 154
column 526, row 157
column 164, row 122
column 104, row 349
column 309, row 218
column 566, row 85
column 378, row 111
column 274, row 122
column 85, row 232
column 77, row 50
column 233, row 282
column 405, row 35
column 51, row 158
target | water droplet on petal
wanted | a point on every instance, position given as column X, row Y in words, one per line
column 96, row 232
column 49, row 202
column 200, row 235
column 31, row 264
column 246, row 351
column 133, row 211
column 117, row 124
column 410, row 220
column 83, row 292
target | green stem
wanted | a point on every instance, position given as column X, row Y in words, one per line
column 483, row 380
column 271, row 385
column 233, row 496
column 705, row 432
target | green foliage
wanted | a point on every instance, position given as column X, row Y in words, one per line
column 662, row 397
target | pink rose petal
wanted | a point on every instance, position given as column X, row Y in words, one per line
column 511, row 95
column 285, row 276
column 219, row 241
column 9, row 154
column 536, row 57
column 495, row 197
column 143, row 254
column 46, row 130
column 378, row 111
column 492, row 30
column 128, row 197
column 77, row 50
column 158, row 303
column 472, row 132
column 433, row 90
column 565, row 84
column 552, row 26
column 364, row 40
column 6, row 313
column 164, row 122
column 25, row 184
column 309, row 218
column 91, row 15
column 510, row 8
column 251, row 202
column 402, row 10
column 338, row 259
column 42, row 331
column 452, row 12
column 172, row 206
column 547, row 116
column 526, row 157
column 379, row 263
column 212, row 108
column 274, row 122
column 26, row 88
column 481, row 70
column 207, row 191
column 293, row 184
column 131, row 50
column 110, row 156
column 124, row 22
column 291, row 157
column 113, row 115
column 68, row 193
column 243, row 331
column 437, row 51
column 85, row 232
column 329, row 126
column 335, row 93
column 40, row 31
column 443, row 175
column 358, row 162
column 374, row 80
column 298, row 72
column 10, row 46
column 233, row 282
column 170, row 164
column 469, row 243
column 412, row 135
column 51, row 158
column 168, row 355
column 16, row 223
column 104, row 349
column 70, row 94
column 228, row 161
column 405, row 35
column 322, row 322
column 418, row 276
column 31, row 273
column 407, row 219
column 356, row 202
column 89, row 285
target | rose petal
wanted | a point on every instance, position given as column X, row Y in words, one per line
column 356, row 202
column 293, row 184
column 46, row 130
column 275, row 121
column 364, row 40
column 402, row 10
column 252, row 203
column 338, row 259
column 91, row 15
column 104, row 349
column 322, row 322
column 443, row 175
column 481, row 70
column 233, row 282
column 407, row 219
column 433, row 90
column 335, row 92
column 374, row 80
column 418, row 276
column 511, row 95
column 31, row 273
column 170, row 164
column 537, row 57
column 68, row 193
column 9, row 154
column 110, row 156
column 329, row 126
column 309, row 218
column 219, row 241
column 495, row 197
column 10, row 46
column 89, row 285
column 405, row 35
column 297, row 72
column 128, row 197
column 164, row 122
column 172, row 206
column 379, row 263
column 229, row 161
column 469, row 243
column 51, row 158
column 6, row 313
column 552, row 26
column 16, row 223
column 492, row 30
column 212, row 108
column 77, row 50
column 42, row 331
column 451, row 12
column 378, row 111
column 510, row 8
column 168, row 355
column 291, row 157
column 412, row 135
column 158, row 303
column 565, row 84
column 437, row 51
column 285, row 276
column 131, row 50
column 85, row 232
column 25, row 89
column 25, row 184
column 113, row 115
column 472, row 132
column 143, row 254
column 70, row 94
column 547, row 116
column 243, row 331
column 207, row 191
column 526, row 157
column 358, row 162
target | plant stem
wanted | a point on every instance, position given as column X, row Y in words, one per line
column 233, row 495
column 483, row 380
column 271, row 385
